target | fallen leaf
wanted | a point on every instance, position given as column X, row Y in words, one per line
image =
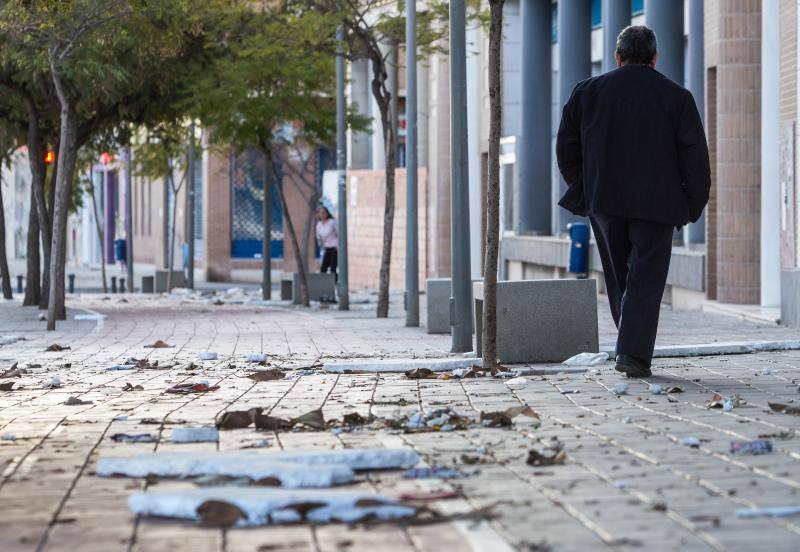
column 130, row 387
column 675, row 389
column 355, row 419
column 7, row 386
column 425, row 497
column 270, row 423
column 421, row 373
column 546, row 458
column 55, row 347
column 158, row 345
column 219, row 513
column 714, row 520
column 784, row 408
column 185, row 388
column 313, row 419
column 267, row 375
column 237, row 419
column 503, row 418
column 75, row 401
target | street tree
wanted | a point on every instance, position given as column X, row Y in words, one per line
column 489, row 337
column 8, row 145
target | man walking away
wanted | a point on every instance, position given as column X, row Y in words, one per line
column 632, row 150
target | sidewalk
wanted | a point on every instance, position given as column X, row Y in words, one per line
column 629, row 481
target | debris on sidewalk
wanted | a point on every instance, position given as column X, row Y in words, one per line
column 781, row 435
column 675, row 389
column 504, row 418
column 75, row 401
column 620, row 388
column 13, row 372
column 552, row 454
column 8, row 437
column 195, row 435
column 55, row 347
column 120, row 367
column 440, row 419
column 7, row 386
column 248, row 506
column 784, row 408
column 773, row 511
column 703, row 518
column 725, row 403
column 130, row 387
column 587, row 359
column 207, row 355
column 267, row 375
column 53, row 383
column 429, row 497
column 185, row 388
column 313, row 419
column 517, row 383
column 692, row 442
column 92, row 317
column 437, row 472
column 656, row 389
column 421, row 373
column 158, row 344
column 744, row 448
column 256, row 357
column 134, row 438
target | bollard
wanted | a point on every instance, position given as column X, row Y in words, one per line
column 579, row 249
column 71, row 283
column 19, row 283
column 122, row 285
column 113, row 284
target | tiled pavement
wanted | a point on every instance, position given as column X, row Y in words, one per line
column 628, row 483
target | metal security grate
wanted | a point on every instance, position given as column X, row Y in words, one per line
column 247, row 191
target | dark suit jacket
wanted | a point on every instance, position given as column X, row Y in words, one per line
column 631, row 143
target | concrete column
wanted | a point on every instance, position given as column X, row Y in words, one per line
column 533, row 154
column 616, row 16
column 770, row 156
column 574, row 65
column 696, row 233
column 665, row 17
column 474, row 110
column 360, row 96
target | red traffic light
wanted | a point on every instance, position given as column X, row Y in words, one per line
column 49, row 158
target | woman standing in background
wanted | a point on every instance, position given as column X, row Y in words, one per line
column 328, row 238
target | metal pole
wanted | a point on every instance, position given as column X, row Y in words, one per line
column 266, row 236
column 341, row 168
column 129, row 216
column 190, row 214
column 460, row 302
column 695, row 61
column 412, row 250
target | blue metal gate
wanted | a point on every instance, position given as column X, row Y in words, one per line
column 247, row 196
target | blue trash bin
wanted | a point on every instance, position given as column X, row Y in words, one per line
column 579, row 249
column 120, row 251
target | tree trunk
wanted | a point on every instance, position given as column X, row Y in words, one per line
column 383, row 99
column 175, row 190
column 4, row 272
column 301, row 265
column 33, row 290
column 100, row 234
column 36, row 154
column 493, row 188
column 49, row 211
column 67, row 157
column 266, row 236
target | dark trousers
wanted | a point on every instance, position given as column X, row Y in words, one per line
column 330, row 260
column 635, row 256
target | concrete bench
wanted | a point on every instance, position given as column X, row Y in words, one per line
column 541, row 320
column 438, row 292
column 320, row 286
column 148, row 284
column 178, row 280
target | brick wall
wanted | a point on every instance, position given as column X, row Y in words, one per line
column 366, row 195
column 733, row 50
column 217, row 215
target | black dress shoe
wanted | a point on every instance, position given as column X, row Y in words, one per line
column 632, row 367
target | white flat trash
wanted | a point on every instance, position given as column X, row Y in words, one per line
column 587, row 359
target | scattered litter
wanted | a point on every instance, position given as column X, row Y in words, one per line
column 13, row 372
column 552, row 454
column 54, row 382
column 248, row 506
column 94, row 317
column 7, row 386
column 158, row 344
column 134, row 438
column 570, row 391
column 627, row 420
column 621, row 388
column 774, row 511
column 781, row 435
column 675, row 389
column 207, row 355
column 8, row 437
column 313, row 419
column 656, row 389
column 621, row 484
column 185, row 388
column 55, row 347
column 504, row 418
column 118, row 367
column 75, row 401
column 130, row 387
column 713, row 520
column 784, row 408
column 440, row 419
column 766, row 371
column 121, row 418
column 195, row 435
column 237, row 419
column 428, row 497
column 587, row 359
column 434, row 473
column 267, row 375
column 744, row 448
column 420, row 373
column 517, row 383
column 256, row 357
column 725, row 403
column 692, row 442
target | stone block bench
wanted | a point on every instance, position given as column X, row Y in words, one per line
column 541, row 320
column 178, row 280
column 437, row 293
column 320, row 286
